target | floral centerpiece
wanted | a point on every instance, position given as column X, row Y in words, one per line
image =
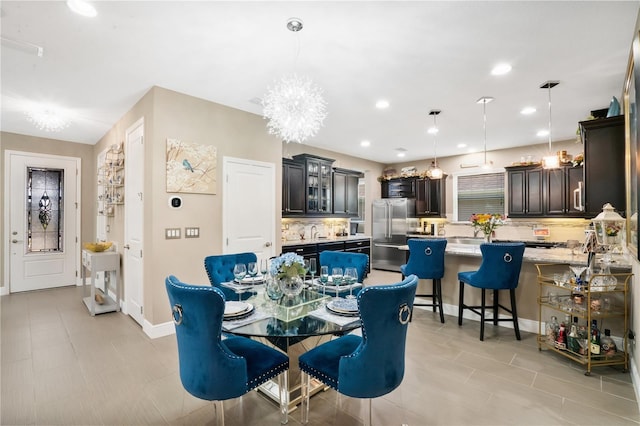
column 487, row 223
column 288, row 269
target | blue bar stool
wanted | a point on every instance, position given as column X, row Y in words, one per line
column 426, row 261
column 500, row 270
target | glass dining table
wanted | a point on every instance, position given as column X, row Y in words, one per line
column 294, row 325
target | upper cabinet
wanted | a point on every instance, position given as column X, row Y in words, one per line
column 293, row 189
column 430, row 197
column 525, row 191
column 318, row 184
column 604, row 164
column 562, row 191
column 399, row 188
column 345, row 192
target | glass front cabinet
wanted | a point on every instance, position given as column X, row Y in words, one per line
column 318, row 183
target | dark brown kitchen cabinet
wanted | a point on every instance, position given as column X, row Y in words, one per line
column 399, row 188
column 345, row 192
column 562, row 191
column 293, row 201
column 604, row 164
column 430, row 197
column 318, row 184
column 525, row 185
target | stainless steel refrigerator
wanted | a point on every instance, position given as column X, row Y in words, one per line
column 390, row 231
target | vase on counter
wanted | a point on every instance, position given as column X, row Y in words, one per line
column 488, row 237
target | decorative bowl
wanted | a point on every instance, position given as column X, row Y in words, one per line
column 98, row 246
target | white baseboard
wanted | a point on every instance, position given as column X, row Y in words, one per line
column 4, row 290
column 158, row 330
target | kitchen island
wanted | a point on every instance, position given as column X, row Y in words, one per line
column 467, row 257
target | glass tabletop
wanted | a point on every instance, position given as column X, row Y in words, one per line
column 291, row 318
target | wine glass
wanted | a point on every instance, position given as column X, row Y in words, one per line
column 577, row 271
column 324, row 278
column 239, row 271
column 264, row 268
column 336, row 277
column 274, row 292
column 313, row 268
column 351, row 278
column 252, row 270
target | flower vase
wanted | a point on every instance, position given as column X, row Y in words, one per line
column 488, row 237
column 291, row 286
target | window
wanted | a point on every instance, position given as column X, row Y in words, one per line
column 478, row 193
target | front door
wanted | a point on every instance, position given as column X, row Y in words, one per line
column 43, row 226
column 248, row 218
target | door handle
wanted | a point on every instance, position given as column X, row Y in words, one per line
column 16, row 241
column 126, row 246
column 267, row 244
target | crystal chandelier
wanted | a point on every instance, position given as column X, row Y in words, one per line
column 434, row 171
column 294, row 107
column 48, row 119
column 550, row 161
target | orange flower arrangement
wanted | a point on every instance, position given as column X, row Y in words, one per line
column 486, row 222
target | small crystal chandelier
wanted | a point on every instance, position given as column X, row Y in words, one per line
column 47, row 118
column 484, row 101
column 550, row 161
column 294, row 107
column 434, row 171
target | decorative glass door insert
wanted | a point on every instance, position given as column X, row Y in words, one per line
column 45, row 213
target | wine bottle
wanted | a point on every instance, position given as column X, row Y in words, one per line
column 595, row 338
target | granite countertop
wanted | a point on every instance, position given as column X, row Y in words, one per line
column 537, row 255
column 326, row 240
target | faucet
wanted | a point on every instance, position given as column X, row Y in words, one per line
column 314, row 232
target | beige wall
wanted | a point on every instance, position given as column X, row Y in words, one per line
column 16, row 142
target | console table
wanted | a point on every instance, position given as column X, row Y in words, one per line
column 107, row 261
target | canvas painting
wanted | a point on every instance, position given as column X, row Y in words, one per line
column 191, row 167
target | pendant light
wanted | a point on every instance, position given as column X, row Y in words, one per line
column 550, row 161
column 294, row 107
column 434, row 171
column 484, row 101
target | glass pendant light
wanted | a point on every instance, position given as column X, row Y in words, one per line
column 484, row 101
column 434, row 171
column 551, row 160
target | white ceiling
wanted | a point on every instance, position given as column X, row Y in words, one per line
column 418, row 55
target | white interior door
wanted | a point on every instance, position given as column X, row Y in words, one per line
column 42, row 195
column 248, row 217
column 133, row 221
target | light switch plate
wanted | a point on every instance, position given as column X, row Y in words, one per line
column 172, row 233
column 192, row 232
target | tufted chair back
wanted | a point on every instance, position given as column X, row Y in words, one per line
column 500, row 267
column 344, row 259
column 220, row 270
column 426, row 258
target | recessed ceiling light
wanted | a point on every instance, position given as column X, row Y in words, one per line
column 528, row 110
column 82, row 7
column 365, row 143
column 461, row 145
column 433, row 130
column 382, row 104
column 401, row 154
column 501, row 69
column 542, row 133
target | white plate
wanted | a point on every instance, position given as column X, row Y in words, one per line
column 233, row 308
column 345, row 306
column 250, row 280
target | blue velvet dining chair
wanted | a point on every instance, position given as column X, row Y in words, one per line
column 499, row 270
column 426, row 261
column 345, row 259
column 220, row 270
column 213, row 369
column 372, row 365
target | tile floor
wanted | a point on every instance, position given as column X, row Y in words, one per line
column 60, row 366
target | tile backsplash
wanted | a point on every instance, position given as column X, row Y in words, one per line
column 307, row 229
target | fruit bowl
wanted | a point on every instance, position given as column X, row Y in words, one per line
column 98, row 246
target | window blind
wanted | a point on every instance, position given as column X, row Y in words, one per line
column 482, row 193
